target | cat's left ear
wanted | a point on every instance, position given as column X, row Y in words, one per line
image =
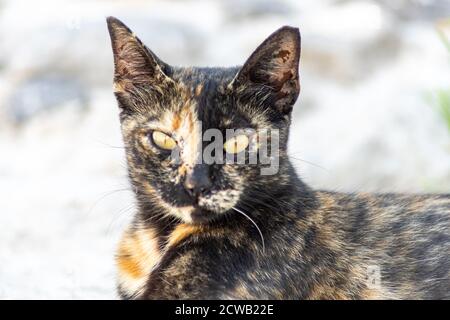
column 270, row 76
column 135, row 65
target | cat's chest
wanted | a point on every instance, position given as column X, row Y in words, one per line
column 137, row 254
column 140, row 253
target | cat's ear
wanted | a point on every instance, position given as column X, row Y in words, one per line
column 270, row 76
column 134, row 64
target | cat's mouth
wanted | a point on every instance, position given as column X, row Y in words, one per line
column 194, row 214
column 207, row 208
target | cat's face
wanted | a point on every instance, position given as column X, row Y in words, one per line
column 167, row 114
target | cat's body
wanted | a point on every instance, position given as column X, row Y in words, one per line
column 226, row 231
column 323, row 246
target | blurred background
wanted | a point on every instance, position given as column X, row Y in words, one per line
column 373, row 114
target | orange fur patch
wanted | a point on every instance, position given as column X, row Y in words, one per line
column 190, row 120
column 117, row 87
column 198, row 90
column 176, row 121
column 127, row 264
column 181, row 232
column 182, row 169
column 137, row 253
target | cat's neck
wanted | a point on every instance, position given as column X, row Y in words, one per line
column 285, row 193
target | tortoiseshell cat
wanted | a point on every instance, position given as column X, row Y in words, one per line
column 194, row 235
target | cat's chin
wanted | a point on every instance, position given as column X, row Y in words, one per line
column 195, row 214
column 201, row 215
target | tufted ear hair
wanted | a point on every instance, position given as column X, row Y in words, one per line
column 135, row 66
column 270, row 77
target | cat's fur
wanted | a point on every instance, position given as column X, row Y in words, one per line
column 317, row 245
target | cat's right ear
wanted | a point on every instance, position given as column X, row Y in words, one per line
column 270, row 77
column 135, row 66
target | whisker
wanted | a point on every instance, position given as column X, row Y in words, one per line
column 254, row 223
column 119, row 215
column 107, row 194
column 108, row 145
column 308, row 162
column 278, row 201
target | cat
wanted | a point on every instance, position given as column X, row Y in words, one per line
column 227, row 231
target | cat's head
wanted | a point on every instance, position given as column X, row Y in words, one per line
column 166, row 113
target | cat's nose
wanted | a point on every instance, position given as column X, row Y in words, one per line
column 198, row 182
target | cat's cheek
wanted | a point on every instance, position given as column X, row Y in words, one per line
column 221, row 201
column 233, row 175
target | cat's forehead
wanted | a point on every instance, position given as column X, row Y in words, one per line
column 202, row 95
column 193, row 76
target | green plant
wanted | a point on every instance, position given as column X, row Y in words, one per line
column 442, row 103
column 441, row 97
column 441, row 27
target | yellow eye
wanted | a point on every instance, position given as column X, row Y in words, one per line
column 163, row 141
column 236, row 144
